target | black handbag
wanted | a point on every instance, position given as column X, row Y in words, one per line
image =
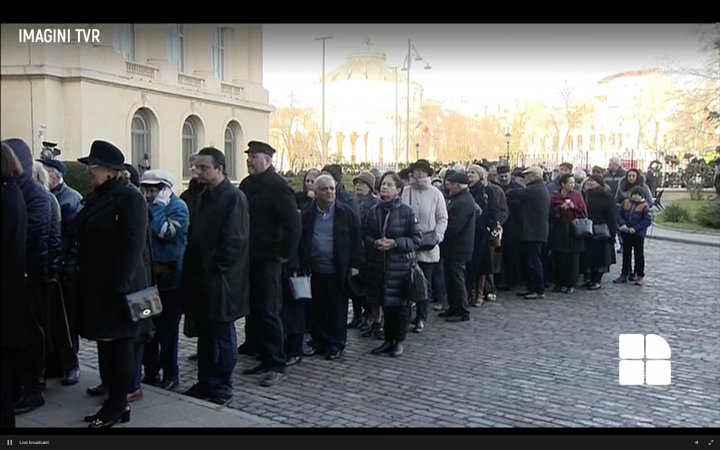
column 429, row 238
column 429, row 241
column 417, row 286
column 581, row 227
column 601, row 231
column 145, row 303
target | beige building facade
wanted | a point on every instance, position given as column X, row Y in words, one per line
column 160, row 92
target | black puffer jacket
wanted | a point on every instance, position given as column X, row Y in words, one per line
column 388, row 272
column 460, row 234
column 38, row 212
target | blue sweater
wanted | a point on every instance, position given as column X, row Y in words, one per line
column 169, row 227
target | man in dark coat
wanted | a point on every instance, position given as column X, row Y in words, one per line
column 535, row 210
column 330, row 249
column 274, row 237
column 511, row 261
column 32, row 359
column 457, row 247
column 12, row 281
column 215, row 276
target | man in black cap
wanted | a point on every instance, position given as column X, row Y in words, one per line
column 70, row 204
column 274, row 237
column 457, row 247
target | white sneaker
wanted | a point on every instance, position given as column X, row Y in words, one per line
column 491, row 297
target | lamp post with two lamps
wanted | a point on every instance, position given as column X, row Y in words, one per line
column 407, row 67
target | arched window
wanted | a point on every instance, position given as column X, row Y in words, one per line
column 189, row 145
column 140, row 133
column 230, row 150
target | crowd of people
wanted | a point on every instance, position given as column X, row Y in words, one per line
column 219, row 252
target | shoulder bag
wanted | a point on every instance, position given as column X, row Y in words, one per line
column 145, row 303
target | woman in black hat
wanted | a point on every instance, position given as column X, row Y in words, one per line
column 112, row 232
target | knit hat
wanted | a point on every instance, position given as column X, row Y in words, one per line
column 638, row 190
column 458, row 177
column 367, row 178
column 598, row 179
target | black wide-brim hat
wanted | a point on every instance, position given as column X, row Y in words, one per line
column 356, row 286
column 104, row 154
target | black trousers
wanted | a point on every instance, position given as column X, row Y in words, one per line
column 117, row 367
column 162, row 351
column 30, row 363
column 7, row 417
column 455, row 283
column 633, row 243
column 421, row 306
column 62, row 354
column 396, row 322
column 329, row 308
column 263, row 326
column 567, row 268
column 596, row 276
column 536, row 278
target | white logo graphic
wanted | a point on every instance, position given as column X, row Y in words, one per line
column 644, row 360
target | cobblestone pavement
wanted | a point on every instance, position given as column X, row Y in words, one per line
column 530, row 363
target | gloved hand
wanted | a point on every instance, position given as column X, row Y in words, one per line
column 163, row 197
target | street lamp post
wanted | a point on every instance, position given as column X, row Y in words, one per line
column 507, row 152
column 411, row 48
column 417, row 151
column 322, row 136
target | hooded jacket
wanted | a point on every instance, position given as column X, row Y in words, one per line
column 625, row 188
column 37, row 205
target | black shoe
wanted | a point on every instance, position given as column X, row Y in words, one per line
column 313, row 350
column 245, row 349
column 447, row 313
column 523, row 293
column 220, row 399
column 457, row 319
column 380, row 336
column 397, row 350
column 557, row 288
column 272, row 378
column 594, row 287
column 28, row 403
column 419, row 326
column 168, row 383
column 103, row 420
column 260, row 368
column 293, row 360
column 384, row 348
column 152, row 380
column 373, row 330
column 196, row 391
column 333, row 355
column 355, row 322
column 568, row 290
column 96, row 391
column 71, row 377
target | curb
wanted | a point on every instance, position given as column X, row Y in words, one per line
column 684, row 241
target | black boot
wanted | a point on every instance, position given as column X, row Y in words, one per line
column 384, row 348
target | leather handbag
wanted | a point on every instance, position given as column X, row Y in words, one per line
column 496, row 236
column 601, row 231
column 144, row 303
column 300, row 287
column 429, row 241
column 417, row 286
column 581, row 227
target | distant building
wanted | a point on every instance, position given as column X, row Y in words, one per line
column 158, row 91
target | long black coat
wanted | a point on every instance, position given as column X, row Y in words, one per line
column 347, row 247
column 481, row 263
column 274, row 221
column 112, row 236
column 215, row 277
column 534, row 201
column 460, row 233
column 12, row 283
column 600, row 254
column 388, row 272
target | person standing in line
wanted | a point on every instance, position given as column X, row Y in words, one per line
column 12, row 282
column 274, row 237
column 168, row 227
column 215, row 285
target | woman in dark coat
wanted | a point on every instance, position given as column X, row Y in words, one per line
column 566, row 206
column 481, row 264
column 305, row 197
column 391, row 234
column 12, row 283
column 599, row 254
column 112, row 233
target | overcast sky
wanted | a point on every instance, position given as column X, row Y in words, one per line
column 491, row 61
